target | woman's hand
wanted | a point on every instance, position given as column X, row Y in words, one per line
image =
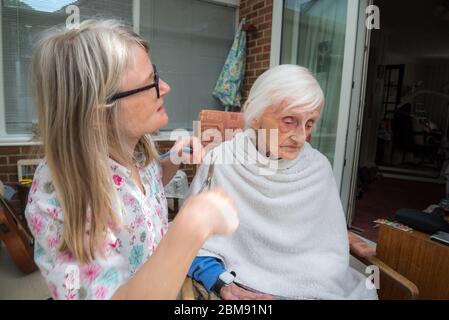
column 234, row 292
column 180, row 156
column 360, row 247
column 215, row 210
column 170, row 165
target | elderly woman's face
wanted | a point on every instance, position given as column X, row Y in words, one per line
column 292, row 126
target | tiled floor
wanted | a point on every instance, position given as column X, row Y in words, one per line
column 14, row 285
column 385, row 196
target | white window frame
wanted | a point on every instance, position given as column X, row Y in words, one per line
column 5, row 138
column 276, row 33
column 230, row 3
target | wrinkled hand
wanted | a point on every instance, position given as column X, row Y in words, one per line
column 196, row 157
column 234, row 292
column 360, row 247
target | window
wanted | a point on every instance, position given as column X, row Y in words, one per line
column 189, row 41
column 22, row 21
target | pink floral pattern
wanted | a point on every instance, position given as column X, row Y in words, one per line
column 117, row 180
column 144, row 223
column 36, row 223
column 101, row 292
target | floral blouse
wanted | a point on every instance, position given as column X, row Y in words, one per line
column 144, row 223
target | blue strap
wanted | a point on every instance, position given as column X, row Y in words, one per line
column 206, row 270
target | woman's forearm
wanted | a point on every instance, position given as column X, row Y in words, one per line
column 169, row 170
column 161, row 277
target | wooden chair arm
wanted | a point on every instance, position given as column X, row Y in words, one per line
column 187, row 292
column 404, row 284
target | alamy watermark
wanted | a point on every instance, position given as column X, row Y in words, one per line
column 263, row 153
column 373, row 280
column 373, row 19
column 73, row 20
column 72, row 278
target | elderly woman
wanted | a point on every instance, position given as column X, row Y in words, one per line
column 292, row 241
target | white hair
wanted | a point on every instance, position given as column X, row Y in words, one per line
column 290, row 84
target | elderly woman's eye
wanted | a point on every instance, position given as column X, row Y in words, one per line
column 289, row 120
column 309, row 124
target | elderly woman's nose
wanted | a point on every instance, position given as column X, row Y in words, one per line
column 300, row 135
column 164, row 87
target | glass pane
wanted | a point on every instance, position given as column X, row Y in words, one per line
column 189, row 42
column 22, row 22
column 392, row 95
column 314, row 37
column 394, row 77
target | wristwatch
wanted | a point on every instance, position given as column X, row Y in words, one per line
column 224, row 280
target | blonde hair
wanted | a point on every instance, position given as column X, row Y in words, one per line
column 74, row 73
column 288, row 83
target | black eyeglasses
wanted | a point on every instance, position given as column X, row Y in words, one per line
column 125, row 94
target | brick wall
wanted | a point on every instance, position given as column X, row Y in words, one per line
column 8, row 170
column 9, row 157
column 258, row 13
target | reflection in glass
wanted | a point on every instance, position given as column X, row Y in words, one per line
column 314, row 37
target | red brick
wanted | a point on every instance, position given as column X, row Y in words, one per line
column 258, row 20
column 252, row 43
column 3, row 160
column 263, row 56
column 31, row 150
column 263, row 41
column 259, row 5
column 13, row 159
column 243, row 12
column 254, row 65
column 265, row 64
column 8, row 169
column 9, row 150
column 267, row 48
column 265, row 25
column 12, row 178
column 4, row 178
column 266, row 10
column 255, row 50
column 267, row 33
column 251, row 16
column 269, row 18
column 249, row 73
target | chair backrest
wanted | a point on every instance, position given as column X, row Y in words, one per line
column 212, row 122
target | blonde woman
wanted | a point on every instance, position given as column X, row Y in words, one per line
column 97, row 207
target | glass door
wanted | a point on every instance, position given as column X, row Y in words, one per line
column 321, row 36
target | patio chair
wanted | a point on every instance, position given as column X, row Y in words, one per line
column 220, row 120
